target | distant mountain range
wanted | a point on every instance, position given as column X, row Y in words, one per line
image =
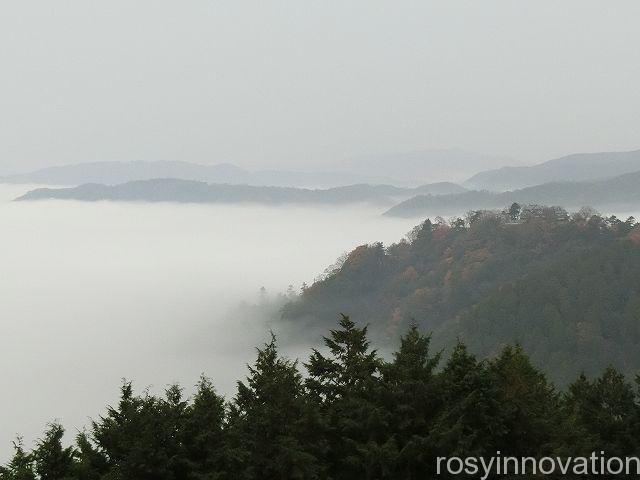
column 406, row 169
column 189, row 191
column 453, row 165
column 403, row 169
column 577, row 167
column 114, row 173
column 622, row 192
column 400, row 170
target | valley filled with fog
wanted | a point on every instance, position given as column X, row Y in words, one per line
column 95, row 292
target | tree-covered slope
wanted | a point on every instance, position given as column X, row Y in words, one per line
column 566, row 288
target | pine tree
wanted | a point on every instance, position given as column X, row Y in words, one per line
column 413, row 398
column 605, row 410
column 529, row 404
column 470, row 422
column 20, row 466
column 347, row 387
column 269, row 435
column 90, row 464
column 141, row 437
column 203, row 434
column 52, row 460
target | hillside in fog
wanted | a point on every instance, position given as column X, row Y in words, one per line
column 620, row 192
column 185, row 191
column 576, row 167
column 567, row 288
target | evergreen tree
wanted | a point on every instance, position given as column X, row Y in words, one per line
column 20, row 467
column 141, row 438
column 355, row 416
column 470, row 422
column 605, row 412
column 90, row 464
column 203, row 434
column 413, row 395
column 347, row 387
column 528, row 404
column 269, row 435
column 52, row 460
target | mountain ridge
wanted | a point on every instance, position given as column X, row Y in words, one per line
column 117, row 172
column 574, row 167
column 566, row 287
column 619, row 192
column 189, row 191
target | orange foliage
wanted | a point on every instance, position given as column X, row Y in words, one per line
column 441, row 232
column 448, row 277
column 409, row 275
column 473, row 261
column 396, row 320
column 357, row 256
column 448, row 255
column 420, row 295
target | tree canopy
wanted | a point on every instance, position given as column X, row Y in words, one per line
column 348, row 414
column 564, row 286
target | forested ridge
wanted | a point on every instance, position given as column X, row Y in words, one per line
column 190, row 191
column 566, row 287
column 352, row 415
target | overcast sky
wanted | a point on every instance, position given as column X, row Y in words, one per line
column 307, row 83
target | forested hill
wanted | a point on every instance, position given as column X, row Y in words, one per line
column 188, row 191
column 565, row 287
column 620, row 192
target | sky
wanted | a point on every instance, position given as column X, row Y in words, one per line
column 305, row 85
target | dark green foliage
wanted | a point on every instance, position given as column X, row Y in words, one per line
column 353, row 416
column 528, row 404
column 347, row 388
column 268, row 422
column 53, row 461
column 141, row 437
column 202, row 433
column 20, row 467
column 606, row 413
column 567, row 288
column 90, row 464
column 413, row 396
column 470, row 421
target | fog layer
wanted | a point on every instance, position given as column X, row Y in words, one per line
column 92, row 293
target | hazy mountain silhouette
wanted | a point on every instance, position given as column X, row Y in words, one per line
column 620, row 192
column 114, row 173
column 422, row 166
column 189, row 191
column 576, row 167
